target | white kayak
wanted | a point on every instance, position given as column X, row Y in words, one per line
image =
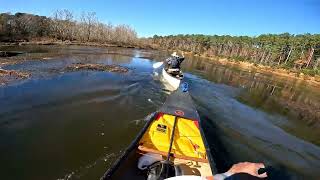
column 172, row 80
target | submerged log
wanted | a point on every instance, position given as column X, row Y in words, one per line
column 98, row 67
column 9, row 53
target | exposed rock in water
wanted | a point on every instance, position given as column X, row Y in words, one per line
column 7, row 76
column 98, row 67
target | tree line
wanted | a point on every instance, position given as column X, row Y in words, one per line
column 282, row 50
column 63, row 26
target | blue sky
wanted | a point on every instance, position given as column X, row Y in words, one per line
column 163, row 17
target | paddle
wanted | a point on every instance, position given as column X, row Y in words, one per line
column 157, row 65
column 167, row 161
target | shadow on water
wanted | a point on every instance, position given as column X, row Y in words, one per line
column 73, row 125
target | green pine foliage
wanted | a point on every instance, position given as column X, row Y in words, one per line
column 285, row 50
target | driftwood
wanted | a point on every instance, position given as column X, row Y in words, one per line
column 7, row 76
column 98, row 67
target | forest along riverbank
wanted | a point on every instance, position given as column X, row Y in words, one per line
column 293, row 74
column 66, row 112
column 63, row 29
column 285, row 54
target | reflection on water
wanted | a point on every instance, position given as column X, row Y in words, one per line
column 73, row 125
column 298, row 101
column 251, row 130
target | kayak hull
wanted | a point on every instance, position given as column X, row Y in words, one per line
column 174, row 82
column 174, row 128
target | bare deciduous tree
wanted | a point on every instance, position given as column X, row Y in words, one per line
column 64, row 26
column 88, row 19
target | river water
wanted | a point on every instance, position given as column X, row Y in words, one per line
column 73, row 125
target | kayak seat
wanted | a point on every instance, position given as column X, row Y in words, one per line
column 144, row 149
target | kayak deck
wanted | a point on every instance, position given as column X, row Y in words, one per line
column 187, row 138
column 188, row 150
column 172, row 137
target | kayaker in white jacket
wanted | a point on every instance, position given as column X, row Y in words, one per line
column 172, row 64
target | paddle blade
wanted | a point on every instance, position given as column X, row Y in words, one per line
column 157, row 65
